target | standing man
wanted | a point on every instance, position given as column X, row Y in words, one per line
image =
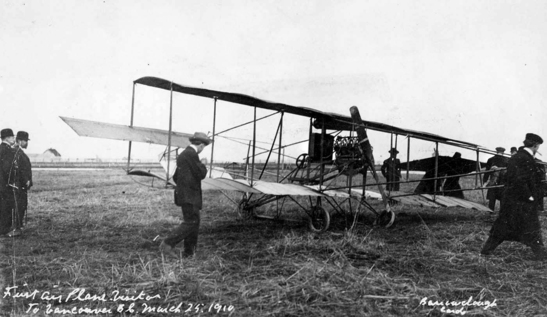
column 7, row 181
column 451, row 185
column 392, row 171
column 513, row 150
column 518, row 219
column 190, row 171
column 497, row 161
column 23, row 180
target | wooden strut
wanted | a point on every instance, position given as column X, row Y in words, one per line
column 169, row 137
column 131, row 124
column 213, row 138
column 436, row 169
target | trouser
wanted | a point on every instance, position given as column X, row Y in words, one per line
column 492, row 203
column 22, row 203
column 187, row 231
column 7, row 205
column 492, row 243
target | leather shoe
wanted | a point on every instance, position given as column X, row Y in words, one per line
column 165, row 248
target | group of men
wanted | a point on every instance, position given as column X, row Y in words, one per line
column 15, row 181
column 450, row 168
column 518, row 182
column 518, row 220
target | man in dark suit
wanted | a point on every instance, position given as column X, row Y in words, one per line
column 493, row 163
column 190, row 171
column 518, row 219
column 23, row 181
column 451, row 185
column 513, row 150
column 7, row 181
column 391, row 169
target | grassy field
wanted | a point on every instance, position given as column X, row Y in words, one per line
column 88, row 249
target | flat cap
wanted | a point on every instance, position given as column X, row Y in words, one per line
column 534, row 138
column 201, row 137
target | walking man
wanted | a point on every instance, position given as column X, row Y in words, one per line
column 518, row 219
column 190, row 171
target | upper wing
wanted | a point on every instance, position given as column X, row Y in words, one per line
column 126, row 133
column 329, row 120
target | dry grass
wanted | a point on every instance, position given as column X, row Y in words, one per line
column 94, row 230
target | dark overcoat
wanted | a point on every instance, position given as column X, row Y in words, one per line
column 190, row 172
column 6, row 193
column 24, row 173
column 518, row 219
column 6, row 171
column 451, row 185
column 391, row 169
column 499, row 161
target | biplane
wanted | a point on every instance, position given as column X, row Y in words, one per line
column 331, row 177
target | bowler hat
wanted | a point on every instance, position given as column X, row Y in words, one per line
column 22, row 135
column 201, row 137
column 534, row 138
column 500, row 149
column 393, row 150
column 6, row 133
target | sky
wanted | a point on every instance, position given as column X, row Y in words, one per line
column 475, row 71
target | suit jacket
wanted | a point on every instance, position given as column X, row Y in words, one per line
column 24, row 173
column 190, row 172
column 523, row 177
column 391, row 169
column 497, row 160
column 518, row 219
column 6, row 161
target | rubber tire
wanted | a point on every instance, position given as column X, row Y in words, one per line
column 325, row 218
column 385, row 219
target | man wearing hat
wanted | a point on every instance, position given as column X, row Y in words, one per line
column 451, row 185
column 493, row 163
column 190, row 171
column 23, row 181
column 513, row 150
column 391, row 169
column 7, row 181
column 518, row 219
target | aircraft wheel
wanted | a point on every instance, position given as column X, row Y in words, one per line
column 385, row 219
column 245, row 210
column 319, row 219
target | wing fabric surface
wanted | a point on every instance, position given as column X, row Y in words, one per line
column 330, row 120
column 259, row 187
column 112, row 131
column 276, row 189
